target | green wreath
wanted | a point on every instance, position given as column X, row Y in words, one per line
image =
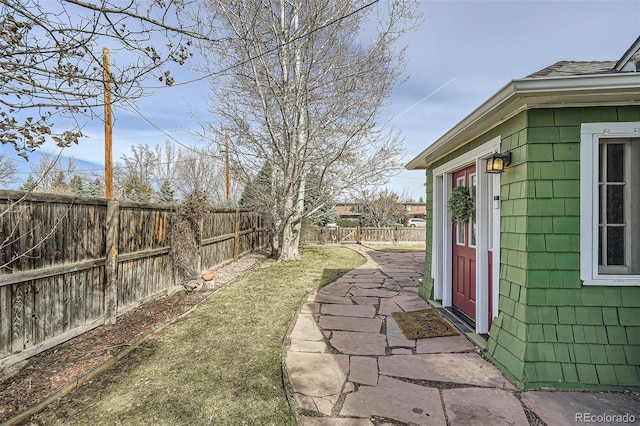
column 461, row 204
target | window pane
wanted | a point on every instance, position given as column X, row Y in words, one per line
column 615, row 245
column 600, row 245
column 615, row 204
column 615, row 162
column 602, row 204
column 460, row 233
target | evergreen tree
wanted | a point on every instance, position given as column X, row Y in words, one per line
column 256, row 193
column 76, row 185
column 166, row 194
column 29, row 185
column 59, row 183
column 136, row 189
column 94, row 189
column 319, row 205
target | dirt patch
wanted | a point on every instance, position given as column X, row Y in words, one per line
column 29, row 382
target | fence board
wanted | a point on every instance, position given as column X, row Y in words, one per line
column 5, row 321
column 61, row 287
column 357, row 235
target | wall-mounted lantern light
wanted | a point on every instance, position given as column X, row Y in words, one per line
column 498, row 161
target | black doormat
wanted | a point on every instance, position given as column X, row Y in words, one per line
column 423, row 324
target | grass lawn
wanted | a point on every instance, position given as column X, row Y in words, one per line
column 221, row 365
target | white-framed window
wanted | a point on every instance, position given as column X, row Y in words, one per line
column 610, row 203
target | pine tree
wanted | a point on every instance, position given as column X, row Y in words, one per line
column 29, row 185
column 166, row 194
column 94, row 189
column 59, row 183
column 76, row 185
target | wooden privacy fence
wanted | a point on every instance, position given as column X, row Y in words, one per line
column 68, row 265
column 365, row 234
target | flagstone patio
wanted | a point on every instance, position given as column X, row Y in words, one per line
column 346, row 361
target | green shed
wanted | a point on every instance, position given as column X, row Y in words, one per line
column 545, row 272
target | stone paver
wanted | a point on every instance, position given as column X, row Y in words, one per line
column 375, row 292
column 364, row 370
column 366, row 300
column 329, row 298
column 306, row 328
column 298, row 345
column 477, row 406
column 388, row 306
column 333, row 421
column 336, row 288
column 464, row 368
column 570, row 408
column 317, row 375
column 367, row 283
column 354, row 343
column 395, row 337
column 367, row 325
column 396, row 400
column 310, row 308
column 450, row 344
column 366, row 311
column 348, row 363
column 411, row 302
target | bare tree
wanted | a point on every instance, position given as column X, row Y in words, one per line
column 303, row 87
column 201, row 170
column 133, row 174
column 52, row 170
column 380, row 207
column 51, row 60
column 8, row 170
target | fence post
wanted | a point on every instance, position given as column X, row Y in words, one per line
column 111, row 264
column 199, row 260
column 236, row 238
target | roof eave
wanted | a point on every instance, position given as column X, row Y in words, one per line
column 522, row 94
column 624, row 60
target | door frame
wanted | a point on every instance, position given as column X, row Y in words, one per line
column 488, row 236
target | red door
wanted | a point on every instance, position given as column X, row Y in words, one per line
column 464, row 251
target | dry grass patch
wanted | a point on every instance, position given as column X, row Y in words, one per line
column 220, row 365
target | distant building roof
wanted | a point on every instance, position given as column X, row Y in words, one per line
column 567, row 68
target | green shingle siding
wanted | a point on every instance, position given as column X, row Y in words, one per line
column 587, row 373
column 615, row 354
column 627, row 375
column 566, row 312
column 552, row 331
column 633, row 334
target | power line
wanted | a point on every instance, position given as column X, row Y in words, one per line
column 135, row 110
column 273, row 49
column 301, row 36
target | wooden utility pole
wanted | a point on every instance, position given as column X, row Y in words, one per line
column 226, row 145
column 108, row 134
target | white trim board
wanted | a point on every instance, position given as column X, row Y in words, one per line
column 488, row 236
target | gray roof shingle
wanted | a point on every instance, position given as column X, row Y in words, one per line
column 567, row 68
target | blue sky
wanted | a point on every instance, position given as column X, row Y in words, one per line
column 462, row 54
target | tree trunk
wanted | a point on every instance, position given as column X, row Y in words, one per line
column 291, row 230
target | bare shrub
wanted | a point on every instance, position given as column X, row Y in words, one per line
column 186, row 236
